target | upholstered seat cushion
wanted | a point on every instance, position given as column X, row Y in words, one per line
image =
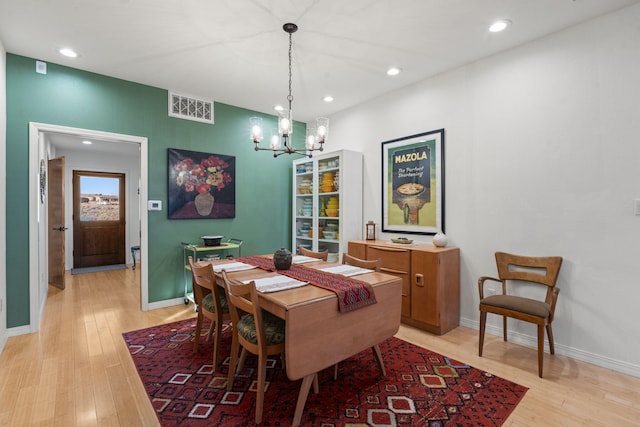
column 519, row 304
column 273, row 328
column 207, row 303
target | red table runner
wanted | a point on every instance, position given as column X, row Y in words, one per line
column 352, row 294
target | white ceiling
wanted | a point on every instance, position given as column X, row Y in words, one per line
column 235, row 51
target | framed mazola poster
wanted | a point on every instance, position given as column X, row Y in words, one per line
column 413, row 184
column 201, row 185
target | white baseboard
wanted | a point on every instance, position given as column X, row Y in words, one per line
column 165, row 303
column 574, row 353
column 19, row 330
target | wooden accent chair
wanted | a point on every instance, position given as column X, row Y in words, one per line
column 519, row 270
column 375, row 265
column 320, row 255
column 257, row 331
column 211, row 302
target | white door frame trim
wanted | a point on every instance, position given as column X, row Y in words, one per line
column 36, row 265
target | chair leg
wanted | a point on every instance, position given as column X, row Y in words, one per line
column 243, row 356
column 212, row 326
column 483, row 321
column 540, row 349
column 378, row 356
column 550, row 336
column 316, row 385
column 196, row 340
column 216, row 342
column 504, row 328
column 233, row 361
column 262, row 372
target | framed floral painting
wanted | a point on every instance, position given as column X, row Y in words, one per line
column 201, row 185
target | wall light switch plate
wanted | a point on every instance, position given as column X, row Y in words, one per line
column 154, row 205
column 636, row 207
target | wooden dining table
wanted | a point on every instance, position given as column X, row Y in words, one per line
column 318, row 335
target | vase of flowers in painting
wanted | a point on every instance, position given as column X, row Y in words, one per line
column 204, row 203
column 202, row 177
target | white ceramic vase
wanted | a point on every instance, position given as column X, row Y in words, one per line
column 440, row 239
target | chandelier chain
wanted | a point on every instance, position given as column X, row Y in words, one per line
column 290, row 97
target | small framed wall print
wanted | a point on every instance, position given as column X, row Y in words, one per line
column 413, row 184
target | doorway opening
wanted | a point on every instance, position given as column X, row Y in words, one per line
column 41, row 148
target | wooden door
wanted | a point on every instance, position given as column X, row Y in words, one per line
column 98, row 219
column 56, row 222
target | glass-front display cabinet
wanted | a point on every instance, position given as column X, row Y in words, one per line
column 327, row 202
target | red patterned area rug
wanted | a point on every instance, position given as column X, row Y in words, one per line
column 421, row 388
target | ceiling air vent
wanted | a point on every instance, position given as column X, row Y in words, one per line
column 190, row 108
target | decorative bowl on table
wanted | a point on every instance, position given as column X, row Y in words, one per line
column 403, row 240
column 212, row 240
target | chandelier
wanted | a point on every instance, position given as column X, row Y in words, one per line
column 280, row 142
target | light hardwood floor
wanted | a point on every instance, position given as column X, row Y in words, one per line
column 77, row 370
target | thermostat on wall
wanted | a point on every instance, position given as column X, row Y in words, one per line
column 154, row 205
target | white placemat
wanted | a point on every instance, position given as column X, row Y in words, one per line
column 232, row 266
column 301, row 259
column 347, row 270
column 276, row 283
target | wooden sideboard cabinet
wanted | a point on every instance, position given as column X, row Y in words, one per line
column 430, row 280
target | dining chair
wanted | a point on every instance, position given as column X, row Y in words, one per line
column 211, row 302
column 320, row 255
column 522, row 271
column 375, row 265
column 255, row 330
column 371, row 264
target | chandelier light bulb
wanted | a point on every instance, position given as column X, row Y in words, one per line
column 256, row 129
column 275, row 142
column 311, row 142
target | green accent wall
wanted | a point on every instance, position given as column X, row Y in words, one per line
column 75, row 98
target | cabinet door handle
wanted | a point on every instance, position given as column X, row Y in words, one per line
column 392, row 271
column 381, row 248
column 419, row 280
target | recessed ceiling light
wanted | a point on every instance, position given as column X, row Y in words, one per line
column 278, row 107
column 68, row 53
column 86, row 142
column 500, row 25
column 393, row 71
column 328, row 98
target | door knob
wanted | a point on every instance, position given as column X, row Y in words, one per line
column 60, row 228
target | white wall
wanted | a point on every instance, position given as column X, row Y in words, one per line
column 542, row 157
column 88, row 161
column 3, row 197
